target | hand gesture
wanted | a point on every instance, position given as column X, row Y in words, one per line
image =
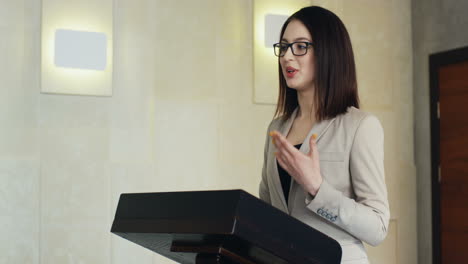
column 304, row 168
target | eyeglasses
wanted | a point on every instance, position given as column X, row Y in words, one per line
column 297, row 48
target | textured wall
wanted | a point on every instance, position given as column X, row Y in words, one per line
column 183, row 94
column 19, row 142
column 437, row 26
column 181, row 118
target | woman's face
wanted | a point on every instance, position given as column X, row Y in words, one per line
column 298, row 70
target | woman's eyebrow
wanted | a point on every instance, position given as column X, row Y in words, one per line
column 296, row 39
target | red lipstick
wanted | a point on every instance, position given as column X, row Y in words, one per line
column 290, row 71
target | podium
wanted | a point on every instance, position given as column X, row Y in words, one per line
column 225, row 227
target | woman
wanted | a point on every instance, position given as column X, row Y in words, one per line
column 324, row 162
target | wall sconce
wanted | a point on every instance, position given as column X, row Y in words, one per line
column 80, row 49
column 269, row 16
column 273, row 24
column 76, row 52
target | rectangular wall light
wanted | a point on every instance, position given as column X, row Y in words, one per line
column 77, row 47
column 80, row 49
column 273, row 24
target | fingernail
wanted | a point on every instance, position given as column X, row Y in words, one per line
column 314, row 136
column 272, row 133
column 274, row 141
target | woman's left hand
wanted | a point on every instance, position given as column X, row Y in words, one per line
column 304, row 168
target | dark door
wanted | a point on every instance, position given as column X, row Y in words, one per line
column 452, row 172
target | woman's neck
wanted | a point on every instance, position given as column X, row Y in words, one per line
column 305, row 99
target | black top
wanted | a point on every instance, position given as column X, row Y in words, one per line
column 285, row 178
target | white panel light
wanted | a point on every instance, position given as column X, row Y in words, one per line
column 76, row 47
column 80, row 49
column 273, row 24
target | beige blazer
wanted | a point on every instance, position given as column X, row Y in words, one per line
column 351, row 205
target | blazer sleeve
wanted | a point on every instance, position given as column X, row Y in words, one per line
column 264, row 191
column 367, row 216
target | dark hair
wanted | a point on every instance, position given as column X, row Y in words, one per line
column 335, row 70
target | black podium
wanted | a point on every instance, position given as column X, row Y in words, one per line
column 228, row 226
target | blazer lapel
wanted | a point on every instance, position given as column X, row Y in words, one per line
column 284, row 130
column 319, row 128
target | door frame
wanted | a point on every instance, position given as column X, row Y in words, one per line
column 436, row 61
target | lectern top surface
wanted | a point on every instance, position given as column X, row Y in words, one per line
column 179, row 225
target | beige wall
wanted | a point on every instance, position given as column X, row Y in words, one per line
column 183, row 94
column 19, row 140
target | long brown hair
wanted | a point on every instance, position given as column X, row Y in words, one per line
column 335, row 70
